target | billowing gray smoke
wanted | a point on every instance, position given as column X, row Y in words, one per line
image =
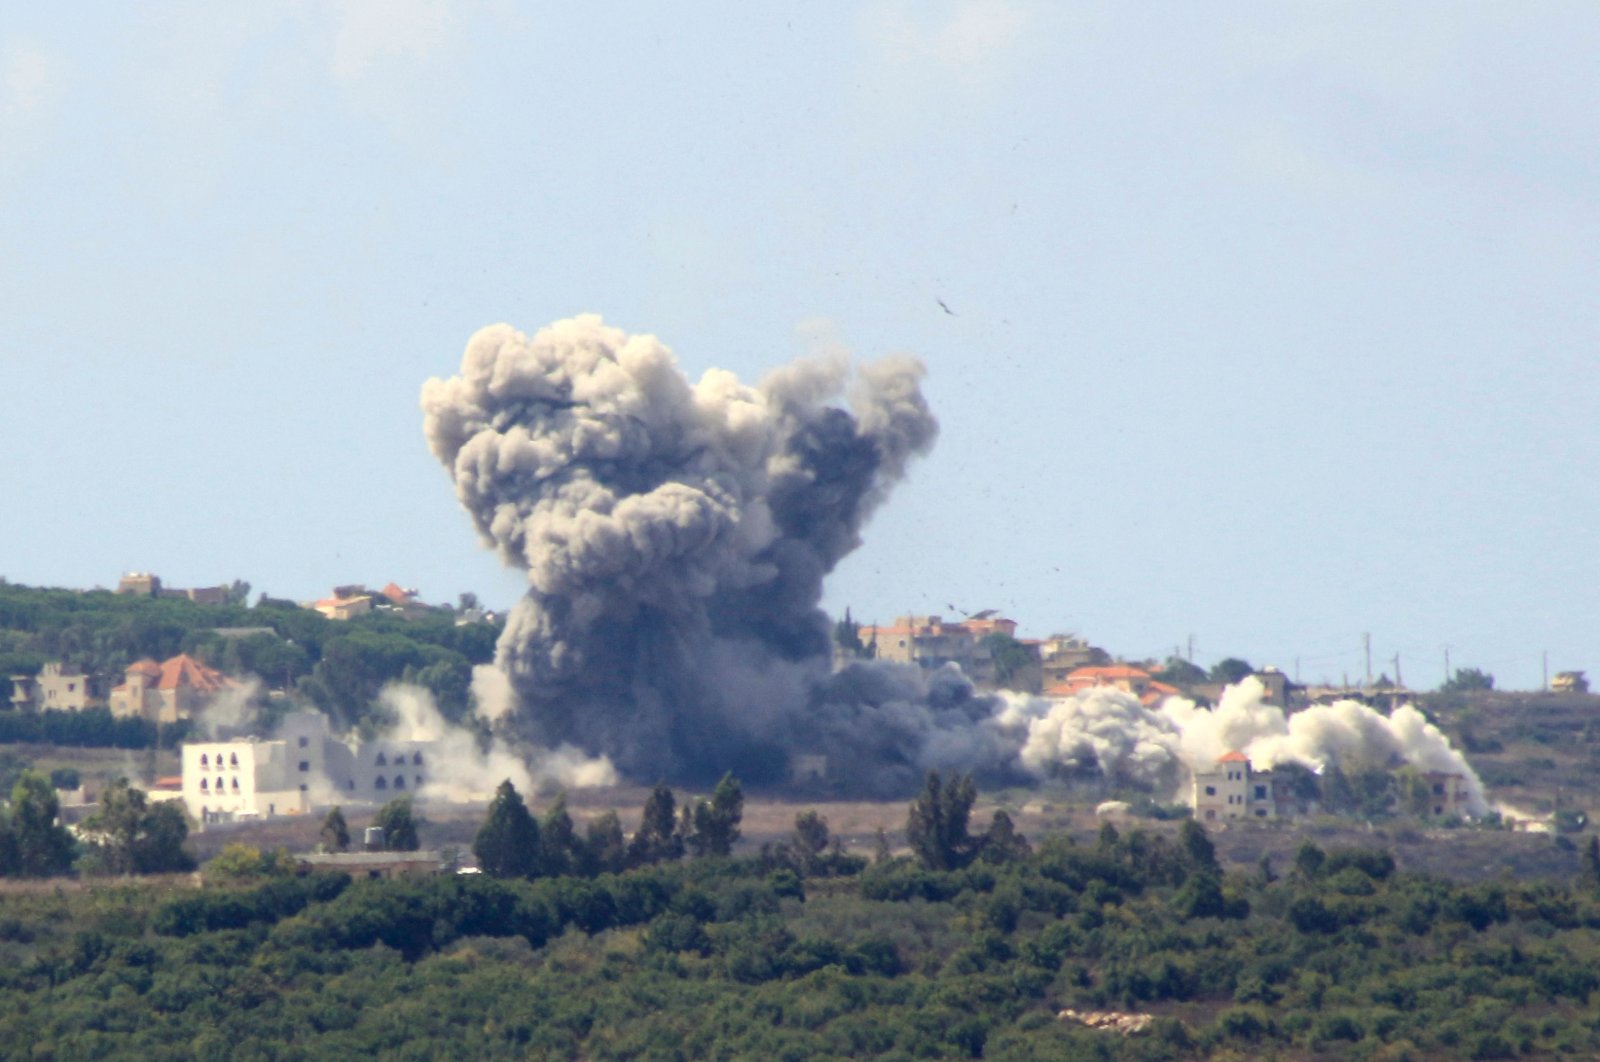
column 675, row 537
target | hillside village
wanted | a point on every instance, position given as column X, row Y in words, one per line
column 296, row 762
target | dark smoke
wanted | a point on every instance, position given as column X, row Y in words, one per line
column 675, row 537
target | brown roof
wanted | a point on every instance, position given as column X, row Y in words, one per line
column 148, row 668
column 185, row 670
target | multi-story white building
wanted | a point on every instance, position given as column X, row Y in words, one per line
column 305, row 767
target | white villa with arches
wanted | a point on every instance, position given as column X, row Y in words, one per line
column 302, row 769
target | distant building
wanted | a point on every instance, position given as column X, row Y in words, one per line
column 140, row 584
column 60, row 687
column 1448, row 795
column 1233, row 790
column 344, row 608
column 305, row 767
column 376, row 864
column 1569, row 682
column 176, row 689
column 1134, row 680
column 930, row 643
column 1062, row 654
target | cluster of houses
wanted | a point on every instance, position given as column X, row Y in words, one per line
column 1233, row 789
column 158, row 692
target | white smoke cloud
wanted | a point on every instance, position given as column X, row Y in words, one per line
column 230, row 711
column 461, row 770
column 1111, row 730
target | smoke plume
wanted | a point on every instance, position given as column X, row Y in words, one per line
column 675, row 536
column 1112, row 732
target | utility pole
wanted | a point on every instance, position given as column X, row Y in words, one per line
column 1297, row 671
column 1447, row 665
column 1366, row 645
column 1191, row 648
column 1545, row 656
column 1399, row 682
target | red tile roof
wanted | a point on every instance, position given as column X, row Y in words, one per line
column 1235, row 756
column 185, row 670
column 148, row 668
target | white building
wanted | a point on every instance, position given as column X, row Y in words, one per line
column 305, row 767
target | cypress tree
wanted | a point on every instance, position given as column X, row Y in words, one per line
column 507, row 844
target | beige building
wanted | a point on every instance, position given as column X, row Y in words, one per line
column 59, row 687
column 167, row 692
column 1060, row 655
column 344, row 608
column 1232, row 790
column 931, row 643
column 1447, row 794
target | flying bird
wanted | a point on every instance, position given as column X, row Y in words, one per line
column 945, row 308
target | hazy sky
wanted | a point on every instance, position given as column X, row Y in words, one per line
column 1273, row 324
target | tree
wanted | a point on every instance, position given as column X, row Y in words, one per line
column 847, row 636
column 714, row 824
column 559, row 845
column 1011, row 658
column 657, row 839
column 605, row 850
column 1180, row 672
column 1591, row 863
column 1197, row 848
column 1231, row 670
column 335, row 831
column 1468, row 680
column 507, row 844
column 466, row 601
column 936, row 822
column 44, row 848
column 1001, row 842
column 239, row 593
column 810, row 840
column 133, row 837
column 398, row 824
column 1308, row 861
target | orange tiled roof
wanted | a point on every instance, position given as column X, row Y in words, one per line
column 185, row 670
column 397, row 593
column 1234, row 756
column 171, row 781
column 147, row 667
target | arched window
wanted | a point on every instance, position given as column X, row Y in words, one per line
column 233, row 759
column 381, row 783
column 399, row 781
column 236, row 785
column 419, row 779
column 203, row 787
column 382, row 760
column 203, row 761
column 417, row 759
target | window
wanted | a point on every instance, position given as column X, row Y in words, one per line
column 419, row 779
column 305, row 765
column 417, row 759
column 304, row 741
column 1261, row 813
column 236, row 785
column 203, row 787
column 1211, row 790
column 1261, row 792
column 399, row 781
column 383, row 761
column 302, row 787
column 233, row 759
column 381, row 783
column 203, row 761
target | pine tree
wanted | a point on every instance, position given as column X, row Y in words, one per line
column 507, row 844
column 810, row 840
column 605, row 849
column 1001, row 842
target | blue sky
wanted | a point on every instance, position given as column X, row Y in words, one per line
column 1274, row 324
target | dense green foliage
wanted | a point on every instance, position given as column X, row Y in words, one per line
column 340, row 666
column 1339, row 956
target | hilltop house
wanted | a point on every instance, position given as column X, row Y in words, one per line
column 167, row 692
column 930, row 643
column 1129, row 679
